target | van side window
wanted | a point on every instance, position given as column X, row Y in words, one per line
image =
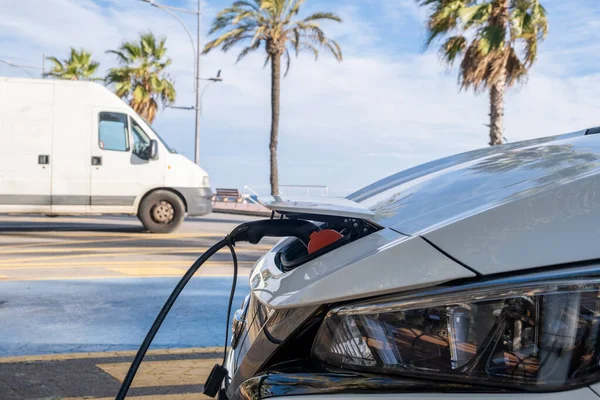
column 112, row 132
column 141, row 141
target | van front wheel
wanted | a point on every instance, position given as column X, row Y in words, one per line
column 161, row 211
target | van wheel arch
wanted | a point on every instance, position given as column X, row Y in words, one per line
column 162, row 211
column 149, row 192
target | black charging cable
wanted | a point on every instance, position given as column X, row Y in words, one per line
column 135, row 364
column 231, row 295
column 251, row 232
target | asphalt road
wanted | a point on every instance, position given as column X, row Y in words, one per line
column 44, row 248
column 56, row 317
column 77, row 295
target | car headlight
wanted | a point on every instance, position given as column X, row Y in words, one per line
column 205, row 181
column 542, row 335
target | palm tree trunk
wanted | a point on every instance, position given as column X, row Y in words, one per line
column 500, row 17
column 497, row 111
column 275, row 98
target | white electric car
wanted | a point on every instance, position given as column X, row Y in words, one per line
column 474, row 276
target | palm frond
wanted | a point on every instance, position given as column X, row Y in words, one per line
column 453, row 47
column 79, row 66
column 269, row 22
column 141, row 79
column 57, row 63
column 288, row 61
column 475, row 15
column 253, row 6
column 248, row 50
column 120, row 55
column 292, row 10
column 516, row 70
column 323, row 15
column 267, row 59
column 444, row 16
column 495, row 33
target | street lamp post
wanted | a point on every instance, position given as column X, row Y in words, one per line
column 198, row 99
column 197, row 50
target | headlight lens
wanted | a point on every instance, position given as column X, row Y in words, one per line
column 544, row 335
column 205, row 181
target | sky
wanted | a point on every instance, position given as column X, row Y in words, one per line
column 391, row 104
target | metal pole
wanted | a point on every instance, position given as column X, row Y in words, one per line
column 198, row 100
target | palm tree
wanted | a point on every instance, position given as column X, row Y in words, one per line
column 141, row 80
column 272, row 25
column 78, row 67
column 497, row 40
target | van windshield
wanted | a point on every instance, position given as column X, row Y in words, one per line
column 169, row 148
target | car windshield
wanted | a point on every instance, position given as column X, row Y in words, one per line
column 169, row 148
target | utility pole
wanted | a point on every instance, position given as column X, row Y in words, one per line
column 197, row 51
column 198, row 99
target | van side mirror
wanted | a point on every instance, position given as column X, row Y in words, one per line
column 153, row 154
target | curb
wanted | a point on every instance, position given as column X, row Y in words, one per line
column 242, row 212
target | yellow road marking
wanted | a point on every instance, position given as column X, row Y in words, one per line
column 108, row 249
column 164, row 373
column 146, row 251
column 146, row 237
column 82, row 232
column 204, row 273
column 108, row 354
column 18, row 217
column 55, row 243
column 144, row 271
column 184, row 396
column 101, row 264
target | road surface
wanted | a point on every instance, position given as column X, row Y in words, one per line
column 77, row 295
column 43, row 248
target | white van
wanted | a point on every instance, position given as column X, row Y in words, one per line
column 70, row 147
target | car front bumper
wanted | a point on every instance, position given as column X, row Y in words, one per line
column 579, row 394
column 270, row 361
column 198, row 200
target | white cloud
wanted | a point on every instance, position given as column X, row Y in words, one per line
column 343, row 124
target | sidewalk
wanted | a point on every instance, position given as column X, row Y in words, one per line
column 169, row 374
column 233, row 207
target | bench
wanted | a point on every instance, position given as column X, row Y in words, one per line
column 227, row 195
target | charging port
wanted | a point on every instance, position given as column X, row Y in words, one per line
column 294, row 252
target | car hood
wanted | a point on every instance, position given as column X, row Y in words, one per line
column 518, row 206
column 513, row 207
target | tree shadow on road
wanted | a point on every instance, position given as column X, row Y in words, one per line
column 51, row 226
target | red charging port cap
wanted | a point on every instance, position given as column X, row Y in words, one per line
column 321, row 239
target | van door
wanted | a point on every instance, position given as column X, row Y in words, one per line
column 71, row 151
column 120, row 168
column 26, row 114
